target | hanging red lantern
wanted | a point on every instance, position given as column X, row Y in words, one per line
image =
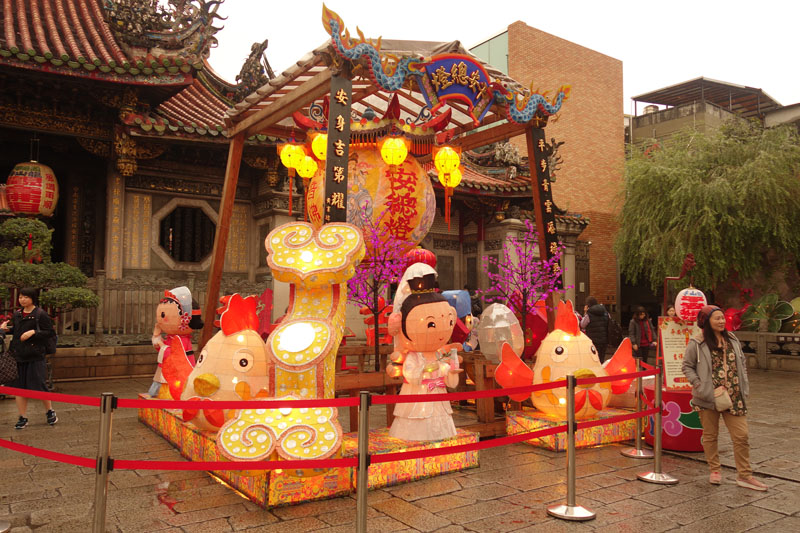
column 420, row 255
column 32, row 189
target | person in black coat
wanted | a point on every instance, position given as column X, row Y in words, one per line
column 595, row 324
column 31, row 327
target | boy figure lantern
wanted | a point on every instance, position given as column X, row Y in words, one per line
column 177, row 315
column 427, row 323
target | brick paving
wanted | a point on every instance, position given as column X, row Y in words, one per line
column 508, row 492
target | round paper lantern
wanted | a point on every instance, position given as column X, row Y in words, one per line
column 497, row 326
column 319, row 146
column 446, row 160
column 307, row 167
column 32, row 189
column 420, row 255
column 394, row 150
column 400, row 200
column 688, row 302
column 451, row 179
column 292, row 154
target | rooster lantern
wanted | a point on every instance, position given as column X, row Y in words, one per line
column 566, row 350
column 232, row 366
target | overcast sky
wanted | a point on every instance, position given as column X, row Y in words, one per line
column 660, row 43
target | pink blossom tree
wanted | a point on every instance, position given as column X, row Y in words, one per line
column 520, row 278
column 383, row 265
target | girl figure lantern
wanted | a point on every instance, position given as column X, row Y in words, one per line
column 177, row 315
column 428, row 368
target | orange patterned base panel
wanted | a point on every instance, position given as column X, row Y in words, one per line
column 276, row 488
column 532, row 420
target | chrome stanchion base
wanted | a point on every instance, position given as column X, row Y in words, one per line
column 658, row 477
column 637, row 454
column 5, row 526
column 570, row 512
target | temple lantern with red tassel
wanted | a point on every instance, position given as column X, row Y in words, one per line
column 32, row 189
column 420, row 255
column 292, row 154
column 447, row 160
column 394, row 150
column 306, row 169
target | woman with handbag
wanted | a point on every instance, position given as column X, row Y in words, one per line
column 642, row 333
column 717, row 370
column 31, row 327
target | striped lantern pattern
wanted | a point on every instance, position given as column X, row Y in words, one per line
column 420, row 255
column 32, row 189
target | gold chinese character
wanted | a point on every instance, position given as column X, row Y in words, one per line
column 548, row 206
column 553, row 247
column 327, row 218
column 541, row 144
column 336, row 200
column 459, row 73
column 341, row 96
column 338, row 174
column 551, row 228
column 339, row 123
column 546, row 185
column 339, row 147
column 543, row 164
column 441, row 79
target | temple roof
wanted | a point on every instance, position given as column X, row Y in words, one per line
column 114, row 40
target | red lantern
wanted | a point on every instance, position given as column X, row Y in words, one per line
column 32, row 189
column 420, row 255
column 688, row 303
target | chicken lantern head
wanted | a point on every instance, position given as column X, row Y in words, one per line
column 567, row 350
column 232, row 366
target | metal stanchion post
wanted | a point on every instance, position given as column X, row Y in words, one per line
column 637, row 452
column 656, row 476
column 362, row 478
column 5, row 526
column 104, row 464
column 570, row 511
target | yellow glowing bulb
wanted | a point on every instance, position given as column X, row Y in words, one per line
column 567, row 338
column 562, row 401
column 240, row 338
column 306, row 256
column 319, row 145
column 394, row 150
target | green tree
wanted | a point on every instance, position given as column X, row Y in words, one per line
column 25, row 262
column 731, row 197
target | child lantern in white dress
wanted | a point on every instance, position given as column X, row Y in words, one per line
column 428, row 366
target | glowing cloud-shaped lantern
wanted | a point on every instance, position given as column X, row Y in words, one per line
column 568, row 351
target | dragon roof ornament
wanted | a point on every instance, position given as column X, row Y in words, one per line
column 390, row 72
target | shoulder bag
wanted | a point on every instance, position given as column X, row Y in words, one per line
column 722, row 400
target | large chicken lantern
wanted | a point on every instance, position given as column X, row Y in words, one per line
column 566, row 351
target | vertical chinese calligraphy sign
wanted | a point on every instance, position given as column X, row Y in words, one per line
column 338, row 149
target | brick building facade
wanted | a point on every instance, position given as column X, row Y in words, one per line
column 591, row 124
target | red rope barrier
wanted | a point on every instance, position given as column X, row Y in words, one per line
column 124, row 464
column 615, row 419
column 237, row 404
column 618, row 377
column 480, row 445
column 47, row 454
column 53, row 396
column 457, row 396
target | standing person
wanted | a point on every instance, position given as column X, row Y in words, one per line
column 595, row 324
column 641, row 333
column 714, row 359
column 671, row 311
column 31, row 327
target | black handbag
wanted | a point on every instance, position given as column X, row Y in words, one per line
column 8, row 368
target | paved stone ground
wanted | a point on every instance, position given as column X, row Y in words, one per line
column 508, row 492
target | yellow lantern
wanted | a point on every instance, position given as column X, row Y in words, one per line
column 394, row 150
column 447, row 160
column 319, row 145
column 307, row 167
column 291, row 155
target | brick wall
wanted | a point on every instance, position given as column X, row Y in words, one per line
column 591, row 124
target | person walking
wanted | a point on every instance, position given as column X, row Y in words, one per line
column 641, row 333
column 31, row 327
column 595, row 324
column 715, row 365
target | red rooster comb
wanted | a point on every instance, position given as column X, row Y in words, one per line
column 237, row 314
column 566, row 320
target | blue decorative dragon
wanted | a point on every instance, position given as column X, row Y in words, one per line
column 530, row 104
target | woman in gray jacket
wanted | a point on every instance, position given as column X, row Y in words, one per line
column 712, row 359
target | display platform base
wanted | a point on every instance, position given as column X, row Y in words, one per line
column 532, row 420
column 276, row 488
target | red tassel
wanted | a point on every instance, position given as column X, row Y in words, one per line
column 291, row 193
column 447, row 191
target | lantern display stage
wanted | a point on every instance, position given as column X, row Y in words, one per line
column 276, row 487
column 528, row 420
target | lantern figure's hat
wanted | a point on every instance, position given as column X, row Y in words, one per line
column 566, row 320
column 181, row 296
column 421, row 285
